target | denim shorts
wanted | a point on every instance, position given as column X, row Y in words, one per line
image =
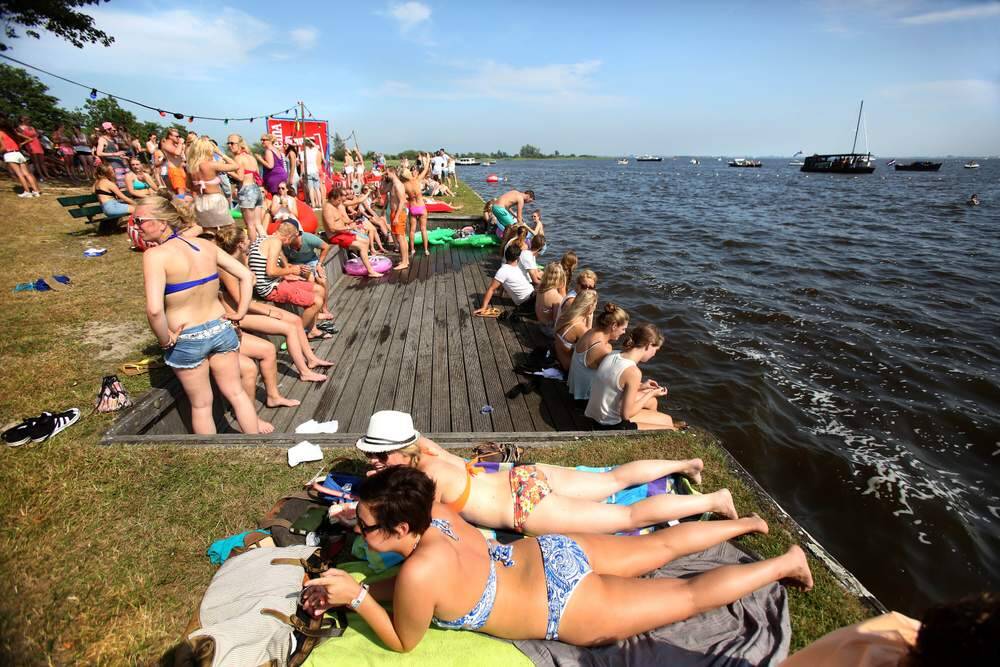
column 312, row 180
column 196, row 344
column 250, row 196
column 114, row 208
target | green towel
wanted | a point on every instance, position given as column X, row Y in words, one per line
column 359, row 646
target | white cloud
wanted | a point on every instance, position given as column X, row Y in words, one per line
column 166, row 44
column 409, row 14
column 304, row 37
column 978, row 11
column 956, row 91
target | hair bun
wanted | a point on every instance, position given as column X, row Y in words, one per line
column 610, row 307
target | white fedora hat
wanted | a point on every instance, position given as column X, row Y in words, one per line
column 388, row 430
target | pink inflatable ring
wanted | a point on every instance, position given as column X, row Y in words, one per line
column 354, row 267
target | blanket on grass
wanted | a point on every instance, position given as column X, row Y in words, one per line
column 754, row 630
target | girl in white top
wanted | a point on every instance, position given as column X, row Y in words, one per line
column 619, row 398
column 573, row 322
column 550, row 295
column 591, row 348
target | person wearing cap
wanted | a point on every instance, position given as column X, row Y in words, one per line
column 538, row 498
column 581, row 589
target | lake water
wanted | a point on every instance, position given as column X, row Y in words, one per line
column 839, row 334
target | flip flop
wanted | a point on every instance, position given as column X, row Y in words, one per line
column 140, row 367
column 492, row 311
column 65, row 280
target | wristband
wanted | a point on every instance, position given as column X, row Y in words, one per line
column 362, row 594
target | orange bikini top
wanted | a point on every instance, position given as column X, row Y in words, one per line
column 470, row 470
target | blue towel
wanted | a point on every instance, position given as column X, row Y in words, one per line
column 220, row 549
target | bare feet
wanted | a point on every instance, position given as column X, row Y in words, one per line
column 374, row 274
column 693, row 470
column 264, row 427
column 280, row 401
column 401, row 266
column 798, row 574
column 312, row 377
column 724, row 504
column 427, row 253
column 758, row 524
column 316, row 362
column 325, row 316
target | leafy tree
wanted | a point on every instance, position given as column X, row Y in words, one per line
column 56, row 16
column 26, row 95
column 339, row 147
column 107, row 109
column 555, row 153
column 499, row 155
column 528, row 150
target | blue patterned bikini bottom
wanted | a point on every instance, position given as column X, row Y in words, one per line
column 565, row 565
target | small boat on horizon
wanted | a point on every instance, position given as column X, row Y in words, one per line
column 924, row 165
column 794, row 162
column 467, row 161
column 694, row 161
column 744, row 162
column 623, row 160
column 648, row 158
column 971, row 164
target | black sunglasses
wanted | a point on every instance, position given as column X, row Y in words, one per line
column 365, row 528
column 381, row 457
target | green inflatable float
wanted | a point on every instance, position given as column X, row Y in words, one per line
column 236, row 213
column 477, row 241
column 439, row 236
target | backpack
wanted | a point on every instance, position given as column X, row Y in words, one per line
column 251, row 615
column 496, row 452
column 112, row 396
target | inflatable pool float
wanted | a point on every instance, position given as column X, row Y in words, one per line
column 380, row 263
column 439, row 236
column 492, row 178
column 439, row 207
column 477, row 241
column 307, row 218
column 236, row 213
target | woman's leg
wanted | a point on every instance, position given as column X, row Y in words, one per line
column 18, row 173
column 309, row 315
column 199, row 392
column 605, row 609
column 423, row 231
column 226, row 372
column 558, row 514
column 636, row 555
column 650, row 420
column 294, row 337
column 312, row 360
column 599, row 485
column 38, row 160
column 263, row 352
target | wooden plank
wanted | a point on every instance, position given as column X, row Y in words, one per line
column 495, row 392
column 440, row 375
column 383, row 336
column 475, row 391
column 364, row 341
column 389, row 382
column 461, row 418
column 403, row 400
column 421, row 410
column 285, row 419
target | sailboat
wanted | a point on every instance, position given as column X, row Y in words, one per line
column 796, row 163
column 843, row 163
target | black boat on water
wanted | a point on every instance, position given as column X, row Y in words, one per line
column 919, row 166
column 843, row 163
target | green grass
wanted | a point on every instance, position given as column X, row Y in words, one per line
column 103, row 548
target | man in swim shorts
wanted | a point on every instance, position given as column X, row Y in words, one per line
column 340, row 230
column 397, row 216
column 503, row 204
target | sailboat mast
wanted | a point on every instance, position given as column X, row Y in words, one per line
column 857, row 127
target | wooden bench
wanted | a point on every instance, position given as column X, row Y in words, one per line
column 89, row 207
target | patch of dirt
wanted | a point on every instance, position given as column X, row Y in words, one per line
column 113, row 341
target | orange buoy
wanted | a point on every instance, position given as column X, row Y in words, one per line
column 492, row 178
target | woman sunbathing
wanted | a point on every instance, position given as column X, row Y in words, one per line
column 580, row 589
column 537, row 499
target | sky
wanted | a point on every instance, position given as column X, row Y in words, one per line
column 671, row 78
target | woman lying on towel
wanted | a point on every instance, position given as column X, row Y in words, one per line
column 579, row 589
column 537, row 499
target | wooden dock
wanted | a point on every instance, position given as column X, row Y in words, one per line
column 409, row 342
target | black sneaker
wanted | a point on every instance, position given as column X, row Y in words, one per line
column 56, row 423
column 35, row 429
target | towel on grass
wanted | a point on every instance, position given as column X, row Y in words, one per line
column 359, row 646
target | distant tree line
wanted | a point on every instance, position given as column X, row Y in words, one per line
column 527, row 151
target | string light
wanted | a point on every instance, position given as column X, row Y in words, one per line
column 95, row 91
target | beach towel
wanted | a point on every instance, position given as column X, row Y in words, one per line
column 754, row 630
column 360, row 647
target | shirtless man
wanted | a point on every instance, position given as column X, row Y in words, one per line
column 173, row 155
column 249, row 196
column 397, row 214
column 340, row 229
column 415, row 201
column 503, row 204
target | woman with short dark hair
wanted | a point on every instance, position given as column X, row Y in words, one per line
column 580, row 589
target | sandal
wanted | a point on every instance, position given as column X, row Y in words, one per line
column 492, row 311
column 140, row 367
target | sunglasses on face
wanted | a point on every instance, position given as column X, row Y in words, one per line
column 232, row 143
column 140, row 221
column 365, row 528
column 381, row 457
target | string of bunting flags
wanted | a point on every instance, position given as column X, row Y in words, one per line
column 94, row 92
